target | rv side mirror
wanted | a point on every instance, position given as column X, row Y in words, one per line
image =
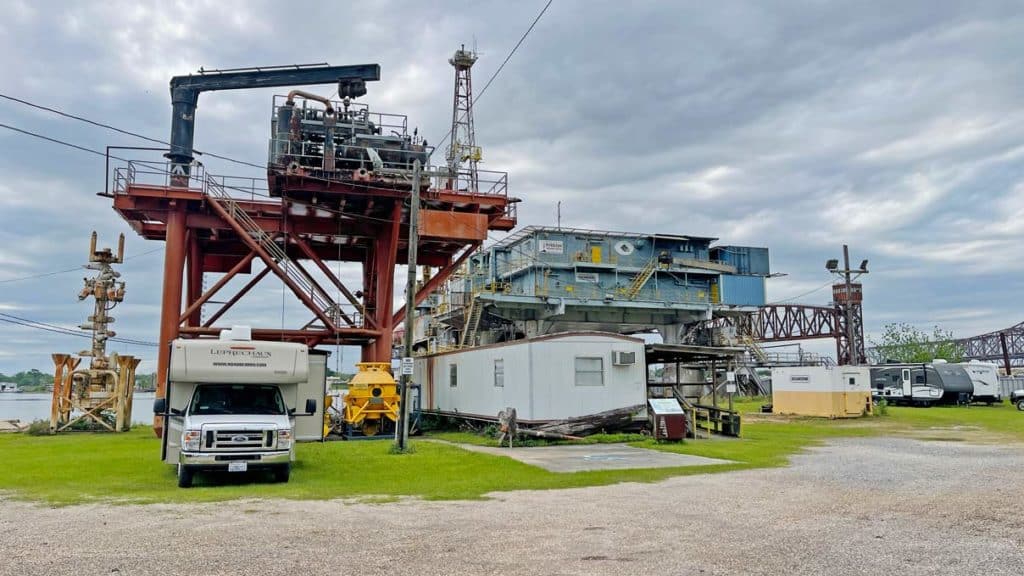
column 159, row 405
column 176, row 412
column 291, row 411
column 310, row 406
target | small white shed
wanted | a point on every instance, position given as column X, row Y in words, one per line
column 833, row 392
column 546, row 378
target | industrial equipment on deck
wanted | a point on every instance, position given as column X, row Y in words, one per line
column 103, row 393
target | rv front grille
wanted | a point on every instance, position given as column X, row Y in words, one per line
column 239, row 440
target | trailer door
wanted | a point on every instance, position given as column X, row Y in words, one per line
column 908, row 389
column 309, row 426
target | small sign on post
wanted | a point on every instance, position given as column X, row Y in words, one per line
column 407, row 366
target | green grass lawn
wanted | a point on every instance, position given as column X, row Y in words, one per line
column 125, row 468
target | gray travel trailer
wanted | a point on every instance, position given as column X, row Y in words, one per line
column 921, row 384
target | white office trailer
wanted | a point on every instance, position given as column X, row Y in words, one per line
column 832, row 392
column 545, row 378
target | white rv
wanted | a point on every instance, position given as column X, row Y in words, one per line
column 230, row 404
column 985, row 378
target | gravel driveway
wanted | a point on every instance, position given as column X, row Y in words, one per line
column 858, row 506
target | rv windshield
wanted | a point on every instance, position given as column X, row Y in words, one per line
column 236, row 399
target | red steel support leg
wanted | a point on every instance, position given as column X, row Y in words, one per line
column 170, row 307
column 195, row 278
column 369, row 297
column 385, row 273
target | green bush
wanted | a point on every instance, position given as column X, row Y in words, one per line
column 38, row 428
column 882, row 408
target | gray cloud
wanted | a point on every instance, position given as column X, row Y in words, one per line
column 799, row 126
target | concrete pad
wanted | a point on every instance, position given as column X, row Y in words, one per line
column 571, row 458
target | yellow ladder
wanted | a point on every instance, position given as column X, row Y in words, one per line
column 640, row 279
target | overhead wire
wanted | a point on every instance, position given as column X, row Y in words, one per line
column 798, row 296
column 77, row 268
column 500, row 68
column 29, row 323
column 120, row 130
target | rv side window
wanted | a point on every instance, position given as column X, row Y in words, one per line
column 919, row 379
column 499, row 372
column 453, row 375
column 906, row 374
column 589, row 371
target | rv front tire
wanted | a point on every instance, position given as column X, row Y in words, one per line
column 282, row 473
column 1020, row 405
column 184, row 476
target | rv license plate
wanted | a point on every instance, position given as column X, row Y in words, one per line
column 238, row 466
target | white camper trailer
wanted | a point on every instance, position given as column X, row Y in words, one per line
column 545, row 378
column 985, row 379
column 231, row 404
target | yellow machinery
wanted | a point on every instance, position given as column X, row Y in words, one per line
column 371, row 405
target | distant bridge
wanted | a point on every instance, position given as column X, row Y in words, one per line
column 1004, row 347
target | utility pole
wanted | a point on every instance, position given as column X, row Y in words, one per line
column 847, row 299
column 851, row 346
column 402, row 430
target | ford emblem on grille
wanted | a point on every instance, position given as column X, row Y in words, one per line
column 239, row 439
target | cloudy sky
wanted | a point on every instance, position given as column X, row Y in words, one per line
column 893, row 127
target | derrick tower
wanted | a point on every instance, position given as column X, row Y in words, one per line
column 463, row 153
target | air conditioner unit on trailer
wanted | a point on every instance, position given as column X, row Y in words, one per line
column 622, row 358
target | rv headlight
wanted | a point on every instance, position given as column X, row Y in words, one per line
column 284, row 438
column 190, row 440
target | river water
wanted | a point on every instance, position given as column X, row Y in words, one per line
column 30, row 406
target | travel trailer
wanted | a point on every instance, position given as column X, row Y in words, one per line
column 231, row 404
column 985, row 378
column 921, row 384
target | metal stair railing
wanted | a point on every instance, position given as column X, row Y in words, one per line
column 755, row 350
column 472, row 323
column 326, row 304
column 640, row 279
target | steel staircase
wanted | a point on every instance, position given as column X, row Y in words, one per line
column 640, row 279
column 216, row 194
column 469, row 330
column 755, row 350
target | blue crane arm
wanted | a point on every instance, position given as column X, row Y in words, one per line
column 185, row 92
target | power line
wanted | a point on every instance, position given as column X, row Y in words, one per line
column 120, row 130
column 808, row 293
column 58, row 141
column 11, row 319
column 500, row 68
column 47, row 274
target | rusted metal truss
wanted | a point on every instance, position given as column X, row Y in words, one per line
column 790, row 322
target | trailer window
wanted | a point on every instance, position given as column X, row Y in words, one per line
column 499, row 372
column 453, row 375
column 236, row 399
column 589, row 371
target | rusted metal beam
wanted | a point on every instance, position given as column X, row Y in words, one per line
column 311, row 255
column 348, row 320
column 269, row 261
column 197, row 304
column 234, row 299
column 170, row 305
column 435, row 282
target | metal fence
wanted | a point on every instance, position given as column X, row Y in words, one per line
column 1009, row 384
